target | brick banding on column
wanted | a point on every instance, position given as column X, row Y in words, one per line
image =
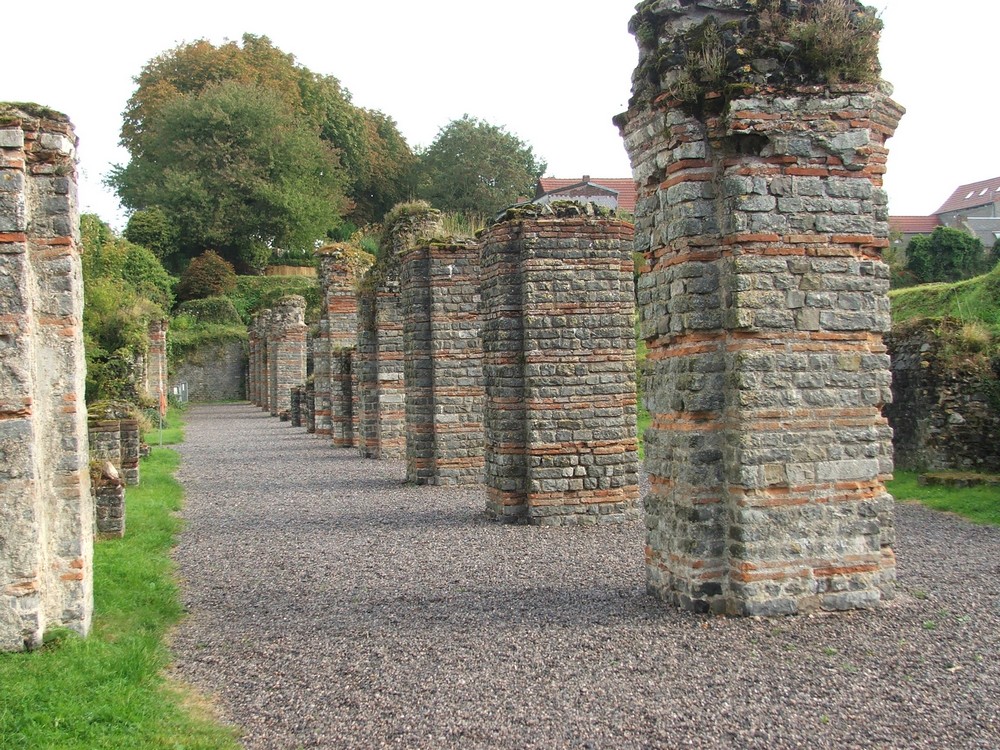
column 559, row 364
column 46, row 569
column 286, row 352
column 762, row 217
column 443, row 362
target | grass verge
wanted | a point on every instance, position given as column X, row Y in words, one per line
column 980, row 504
column 109, row 690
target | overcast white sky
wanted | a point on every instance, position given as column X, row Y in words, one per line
column 553, row 72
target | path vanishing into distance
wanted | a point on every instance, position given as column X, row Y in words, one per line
column 332, row 606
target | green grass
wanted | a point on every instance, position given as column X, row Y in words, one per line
column 173, row 428
column 973, row 300
column 979, row 504
column 109, row 690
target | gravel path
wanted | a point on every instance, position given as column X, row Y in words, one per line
column 333, row 607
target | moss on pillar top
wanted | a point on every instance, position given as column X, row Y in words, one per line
column 703, row 53
column 554, row 210
column 12, row 113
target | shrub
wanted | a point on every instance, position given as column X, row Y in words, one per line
column 209, row 275
column 211, row 310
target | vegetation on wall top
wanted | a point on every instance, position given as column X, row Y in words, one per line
column 745, row 45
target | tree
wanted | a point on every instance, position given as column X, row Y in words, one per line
column 475, row 167
column 945, row 255
column 372, row 161
column 209, row 275
column 152, row 229
column 235, row 168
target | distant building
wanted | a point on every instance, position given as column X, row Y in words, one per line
column 615, row 193
column 973, row 208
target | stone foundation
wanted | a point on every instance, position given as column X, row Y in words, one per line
column 559, row 363
column 46, row 510
column 763, row 305
column 443, row 355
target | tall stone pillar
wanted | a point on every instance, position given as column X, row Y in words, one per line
column 443, row 363
column 559, row 363
column 341, row 268
column 379, row 357
column 762, row 218
column 286, row 352
column 264, row 363
column 46, row 510
column 156, row 360
column 253, row 360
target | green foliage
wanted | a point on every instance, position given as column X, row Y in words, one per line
column 152, row 229
column 208, row 275
column 245, row 150
column 945, row 255
column 475, row 167
column 972, row 300
column 109, row 690
column 188, row 334
column 211, row 310
column 236, row 168
column 255, row 293
column 125, row 288
column 980, row 504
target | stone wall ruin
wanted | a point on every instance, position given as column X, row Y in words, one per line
column 762, row 218
column 286, row 352
column 46, row 510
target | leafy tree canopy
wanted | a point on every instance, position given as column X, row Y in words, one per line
column 209, row 275
column 242, row 149
column 475, row 167
column 945, row 255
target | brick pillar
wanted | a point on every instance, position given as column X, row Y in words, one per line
column 46, row 509
column 379, row 358
column 156, row 360
column 341, row 268
column 253, row 364
column 443, row 363
column 559, row 361
column 265, row 364
column 322, row 354
column 763, row 306
column 286, row 352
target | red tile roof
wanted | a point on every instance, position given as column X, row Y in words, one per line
column 972, row 195
column 624, row 186
column 913, row 224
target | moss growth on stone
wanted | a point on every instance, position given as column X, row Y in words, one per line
column 745, row 45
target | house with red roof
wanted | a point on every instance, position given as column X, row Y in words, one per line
column 616, row 192
column 973, row 208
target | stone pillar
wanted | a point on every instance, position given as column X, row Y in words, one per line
column 105, row 434
column 46, row 510
column 559, row 361
column 155, row 378
column 286, row 352
column 762, row 218
column 322, row 354
column 443, row 363
column 341, row 268
column 253, row 363
column 379, row 359
column 265, row 365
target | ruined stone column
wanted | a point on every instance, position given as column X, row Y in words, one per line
column 155, row 378
column 286, row 352
column 443, row 363
column 46, row 510
column 341, row 267
column 265, row 364
column 379, row 357
column 559, row 363
column 253, row 360
column 762, row 219
column 322, row 355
